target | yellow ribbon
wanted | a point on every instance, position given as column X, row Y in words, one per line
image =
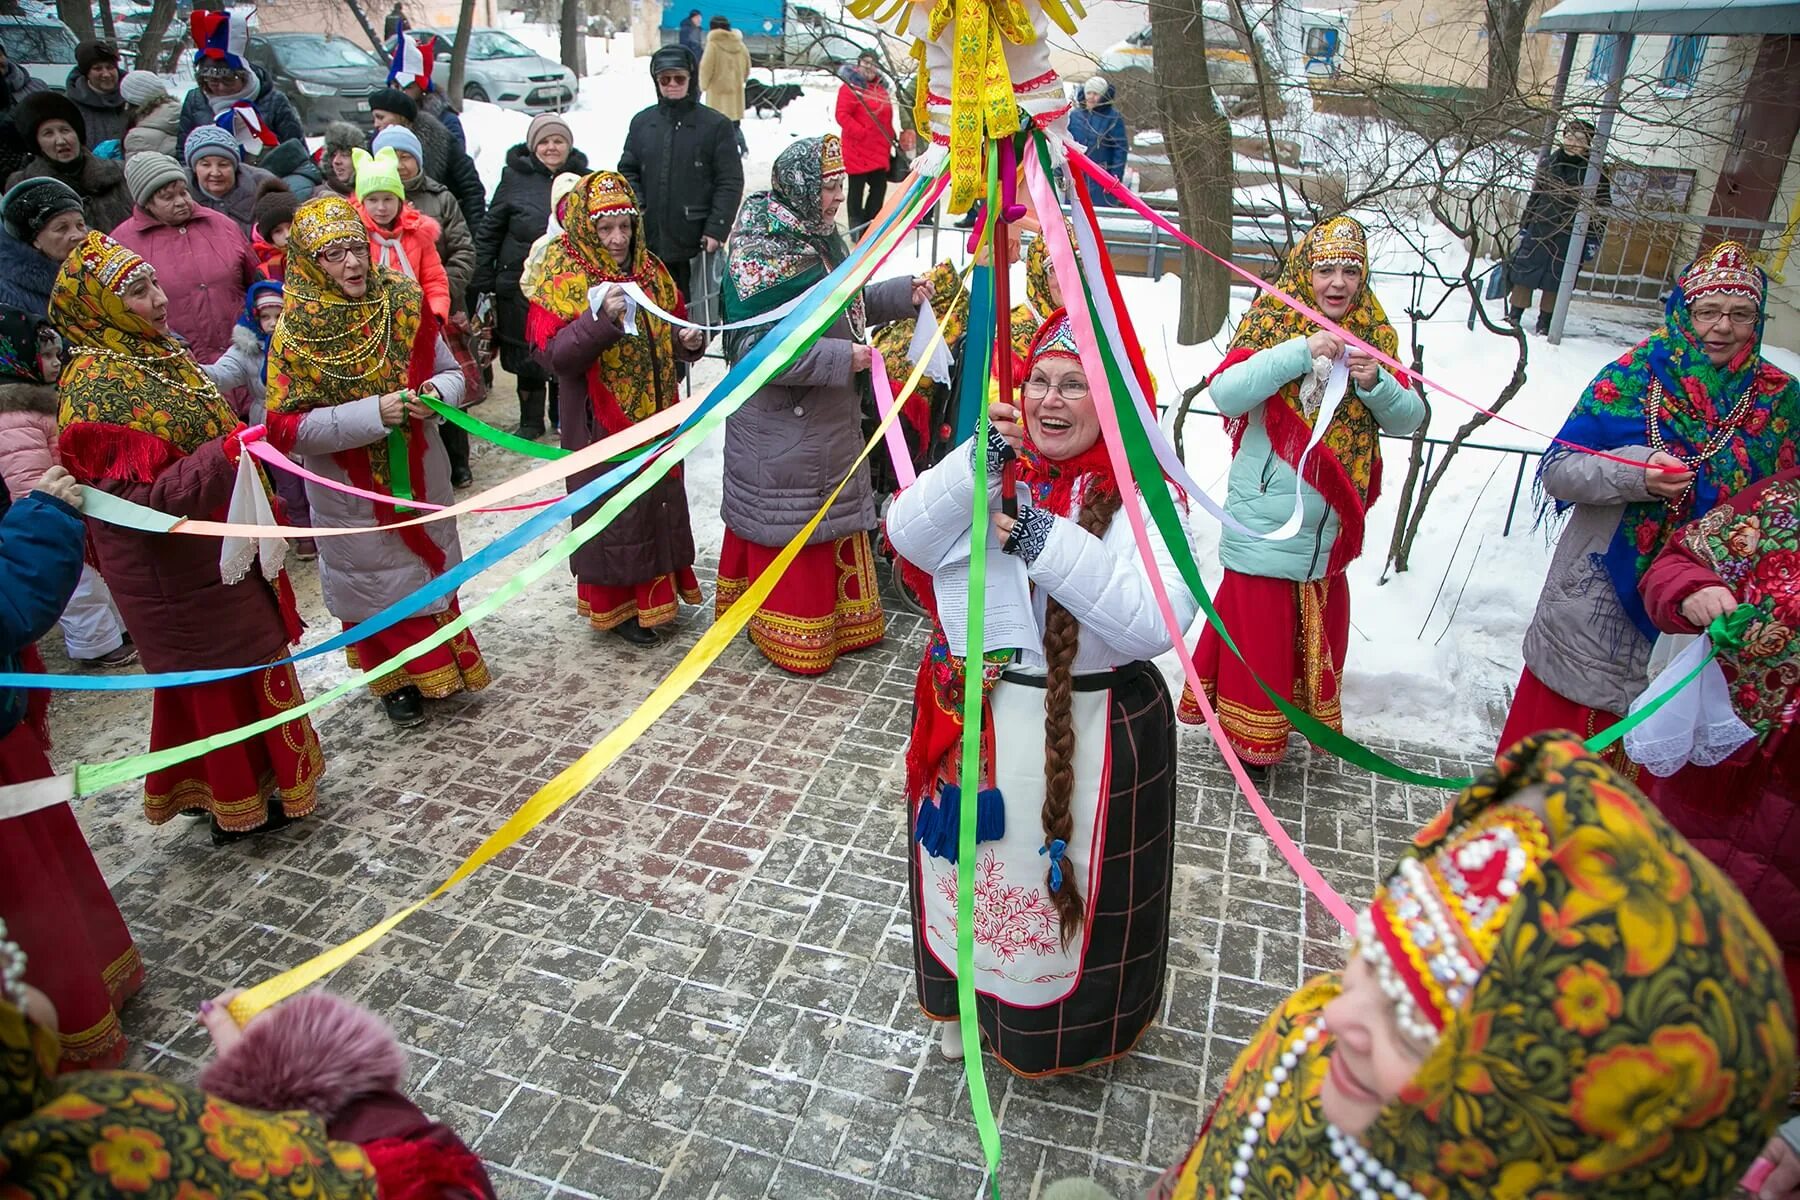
column 572, row 780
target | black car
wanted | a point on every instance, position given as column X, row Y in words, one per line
column 328, row 78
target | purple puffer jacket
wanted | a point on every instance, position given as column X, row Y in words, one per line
column 205, row 266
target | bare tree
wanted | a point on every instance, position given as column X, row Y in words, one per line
column 156, row 27
column 1198, row 136
column 78, row 16
column 574, row 38
column 1506, row 24
column 459, row 55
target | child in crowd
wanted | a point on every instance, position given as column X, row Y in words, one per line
column 1553, row 994
column 269, row 222
column 401, row 238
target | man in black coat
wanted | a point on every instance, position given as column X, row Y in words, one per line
column 1548, row 223
column 445, row 160
column 682, row 161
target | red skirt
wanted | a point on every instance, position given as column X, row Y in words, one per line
column 456, row 666
column 62, row 915
column 234, row 783
column 653, row 603
column 825, row 605
column 1537, row 709
column 1294, row 637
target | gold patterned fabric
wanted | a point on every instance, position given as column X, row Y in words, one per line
column 98, row 1135
column 121, row 371
column 1631, row 1035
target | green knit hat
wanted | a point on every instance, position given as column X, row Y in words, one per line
column 378, row 172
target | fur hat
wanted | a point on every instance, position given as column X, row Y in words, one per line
column 148, row 173
column 31, row 204
column 343, row 136
column 210, row 139
column 393, row 100
column 139, row 88
column 39, row 107
column 275, row 206
column 91, row 54
column 401, row 139
column 545, row 124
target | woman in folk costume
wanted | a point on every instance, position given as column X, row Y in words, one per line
column 139, row 419
column 1287, row 603
column 1077, row 804
column 634, row 575
column 1687, row 418
column 354, row 345
column 1602, row 1017
column 797, row 437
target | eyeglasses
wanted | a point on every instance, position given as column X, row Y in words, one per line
column 1073, row 388
column 1705, row 318
column 333, row 255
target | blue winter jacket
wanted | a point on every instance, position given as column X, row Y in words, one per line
column 1261, row 491
column 41, row 545
column 26, row 276
column 1101, row 132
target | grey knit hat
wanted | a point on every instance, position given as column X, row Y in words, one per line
column 210, row 139
column 141, row 87
column 148, row 172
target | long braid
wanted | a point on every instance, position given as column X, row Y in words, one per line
column 1061, row 633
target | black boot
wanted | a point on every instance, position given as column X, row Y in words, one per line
column 1543, row 324
column 405, row 707
column 278, row 819
column 456, row 445
column 531, row 410
column 1514, row 314
column 636, row 634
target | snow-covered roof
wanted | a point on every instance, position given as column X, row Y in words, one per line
column 1673, row 17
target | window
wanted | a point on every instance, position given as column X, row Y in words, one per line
column 1681, row 64
column 486, row 45
column 1600, row 64
column 38, row 44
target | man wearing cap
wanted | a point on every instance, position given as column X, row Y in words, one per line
column 51, row 125
column 682, row 161
column 93, row 85
column 1544, row 231
column 228, row 90
column 444, row 160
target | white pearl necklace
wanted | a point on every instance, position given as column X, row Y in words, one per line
column 1368, row 1178
column 12, row 970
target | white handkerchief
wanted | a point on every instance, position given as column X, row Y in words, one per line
column 597, row 297
column 925, row 335
column 250, row 506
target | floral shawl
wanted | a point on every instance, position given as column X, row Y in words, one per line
column 1345, row 468
column 635, row 377
column 133, row 399
column 1697, row 397
column 1631, row 1037
column 1752, row 543
column 783, row 244
column 94, row 1135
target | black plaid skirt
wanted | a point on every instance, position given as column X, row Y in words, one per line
column 1120, row 987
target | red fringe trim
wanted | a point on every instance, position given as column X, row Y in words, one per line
column 408, row 1169
column 93, row 452
column 357, row 466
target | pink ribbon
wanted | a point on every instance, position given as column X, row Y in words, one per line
column 1062, row 257
column 896, row 439
column 275, row 458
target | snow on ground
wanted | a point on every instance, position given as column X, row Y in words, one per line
column 1434, row 651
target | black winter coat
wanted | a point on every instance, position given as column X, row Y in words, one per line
column 518, row 217
column 449, row 164
column 1549, row 221
column 106, row 116
column 682, row 160
column 276, row 110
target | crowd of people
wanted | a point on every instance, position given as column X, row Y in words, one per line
column 1578, row 979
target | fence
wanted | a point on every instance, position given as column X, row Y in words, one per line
column 1643, row 252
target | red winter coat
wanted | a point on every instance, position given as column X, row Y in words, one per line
column 1743, row 814
column 410, row 248
column 868, row 131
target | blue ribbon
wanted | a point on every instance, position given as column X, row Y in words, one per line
column 1057, row 850
column 488, row 555
column 973, row 391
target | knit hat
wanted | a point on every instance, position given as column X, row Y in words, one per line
column 148, row 172
column 35, row 109
column 90, row 54
column 1096, row 86
column 545, row 124
column 275, row 206
column 378, row 172
column 210, row 139
column 141, row 87
column 342, row 135
column 393, row 100
column 33, row 203
column 401, row 139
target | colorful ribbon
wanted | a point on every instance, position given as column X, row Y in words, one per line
column 399, row 468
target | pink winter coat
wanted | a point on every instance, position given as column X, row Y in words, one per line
column 27, row 434
column 205, row 266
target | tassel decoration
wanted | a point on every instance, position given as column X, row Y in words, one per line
column 938, row 824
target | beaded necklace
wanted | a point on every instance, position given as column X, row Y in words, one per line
column 1714, row 444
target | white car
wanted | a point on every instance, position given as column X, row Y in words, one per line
column 502, row 70
column 44, row 46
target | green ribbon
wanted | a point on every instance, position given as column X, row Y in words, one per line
column 400, row 466
column 487, row 433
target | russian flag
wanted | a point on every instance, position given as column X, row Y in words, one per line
column 411, row 62
column 243, row 122
column 220, row 35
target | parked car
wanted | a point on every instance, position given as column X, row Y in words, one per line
column 1227, row 50
column 813, row 39
column 328, row 78
column 502, row 70
column 44, row 46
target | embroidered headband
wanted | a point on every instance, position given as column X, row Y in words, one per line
column 1338, row 241
column 114, row 266
column 1055, row 339
column 325, row 221
column 1432, row 929
column 831, row 156
column 610, row 195
column 1725, row 270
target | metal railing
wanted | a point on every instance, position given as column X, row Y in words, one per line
column 1643, row 253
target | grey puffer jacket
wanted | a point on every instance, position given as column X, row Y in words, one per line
column 788, row 446
column 1581, row 644
column 363, row 575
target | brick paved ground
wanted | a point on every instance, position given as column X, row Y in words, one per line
column 694, row 981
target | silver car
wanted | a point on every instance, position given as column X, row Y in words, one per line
column 501, row 70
